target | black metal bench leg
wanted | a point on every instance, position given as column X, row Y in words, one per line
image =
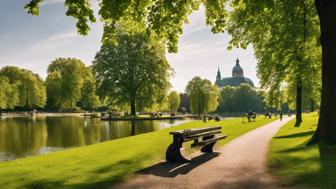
column 173, row 153
column 208, row 148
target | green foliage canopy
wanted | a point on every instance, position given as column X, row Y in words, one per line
column 284, row 35
column 69, row 82
column 240, row 100
column 163, row 17
column 173, row 101
column 133, row 71
column 9, row 97
column 89, row 100
column 29, row 87
column 203, row 95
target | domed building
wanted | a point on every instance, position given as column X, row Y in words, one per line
column 236, row 79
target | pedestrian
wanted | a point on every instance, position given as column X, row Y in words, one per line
column 280, row 116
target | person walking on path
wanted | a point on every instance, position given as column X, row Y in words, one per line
column 280, row 116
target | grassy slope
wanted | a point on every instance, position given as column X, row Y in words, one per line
column 297, row 164
column 99, row 165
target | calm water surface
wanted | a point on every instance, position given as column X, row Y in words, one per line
column 28, row 136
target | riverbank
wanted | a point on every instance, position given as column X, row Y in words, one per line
column 168, row 117
column 40, row 114
column 104, row 164
column 297, row 164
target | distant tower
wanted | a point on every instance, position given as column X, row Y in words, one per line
column 237, row 71
column 218, row 77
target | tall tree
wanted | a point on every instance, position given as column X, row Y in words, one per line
column 203, row 95
column 173, row 101
column 326, row 129
column 133, row 71
column 64, row 82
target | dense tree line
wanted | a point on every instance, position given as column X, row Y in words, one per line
column 21, row 89
column 70, row 84
column 8, row 94
column 240, row 100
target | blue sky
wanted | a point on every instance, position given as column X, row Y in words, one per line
column 33, row 42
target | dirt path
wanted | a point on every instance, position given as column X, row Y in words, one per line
column 239, row 165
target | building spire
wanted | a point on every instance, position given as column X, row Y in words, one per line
column 218, row 77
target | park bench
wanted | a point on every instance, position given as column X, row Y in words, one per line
column 205, row 137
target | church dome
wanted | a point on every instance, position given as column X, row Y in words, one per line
column 236, row 79
column 237, row 71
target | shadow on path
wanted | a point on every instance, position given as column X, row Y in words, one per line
column 171, row 170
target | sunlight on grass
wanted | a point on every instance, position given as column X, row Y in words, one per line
column 103, row 164
column 295, row 163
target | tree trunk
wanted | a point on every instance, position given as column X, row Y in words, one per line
column 132, row 102
column 312, row 106
column 326, row 129
column 298, row 102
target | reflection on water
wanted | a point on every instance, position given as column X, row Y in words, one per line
column 27, row 136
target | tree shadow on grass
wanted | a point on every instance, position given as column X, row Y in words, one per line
column 325, row 177
column 45, row 184
column 112, row 174
column 52, row 184
column 301, row 134
column 165, row 169
column 119, row 171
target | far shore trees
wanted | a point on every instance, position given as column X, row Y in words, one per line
column 28, row 86
column 8, row 94
column 173, row 101
column 89, row 100
column 185, row 103
column 240, row 100
column 133, row 71
column 203, row 95
column 70, row 83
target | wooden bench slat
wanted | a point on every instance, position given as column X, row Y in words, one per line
column 204, row 142
column 196, row 136
column 194, row 131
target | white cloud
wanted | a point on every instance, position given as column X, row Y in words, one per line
column 51, row 2
column 57, row 40
column 192, row 30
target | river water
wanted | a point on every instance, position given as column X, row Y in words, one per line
column 29, row 136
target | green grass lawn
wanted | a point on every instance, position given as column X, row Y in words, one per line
column 298, row 164
column 103, row 164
